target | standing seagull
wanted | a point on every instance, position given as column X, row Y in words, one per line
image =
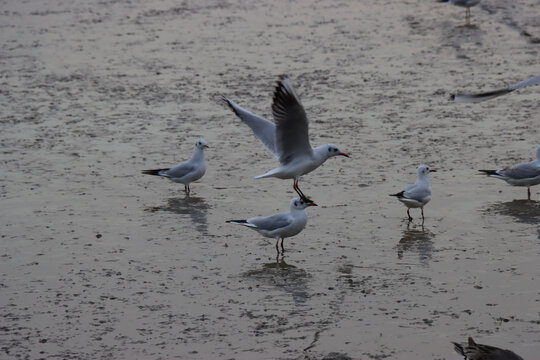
column 288, row 138
column 474, row 351
column 417, row 195
column 478, row 97
column 186, row 172
column 280, row 226
column 527, row 174
column 467, row 4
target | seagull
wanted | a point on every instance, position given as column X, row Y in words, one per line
column 478, row 97
column 527, row 174
column 288, row 138
column 466, row 4
column 186, row 172
column 474, row 351
column 417, row 195
column 280, row 226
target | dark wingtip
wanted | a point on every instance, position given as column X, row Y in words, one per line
column 283, row 77
column 487, row 172
column 230, row 105
column 153, row 171
column 227, row 101
column 453, row 97
column 459, row 349
column 243, row 221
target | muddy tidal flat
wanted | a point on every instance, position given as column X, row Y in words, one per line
column 98, row 261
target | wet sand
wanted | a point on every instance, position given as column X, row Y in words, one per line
column 99, row 261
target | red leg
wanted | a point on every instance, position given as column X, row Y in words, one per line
column 410, row 217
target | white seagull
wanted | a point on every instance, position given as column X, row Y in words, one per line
column 478, row 97
column 280, row 226
column 467, row 4
column 417, row 195
column 527, row 174
column 186, row 172
column 288, row 138
column 474, row 351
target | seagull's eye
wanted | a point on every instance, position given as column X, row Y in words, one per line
column 335, row 149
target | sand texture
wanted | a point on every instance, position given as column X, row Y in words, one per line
column 100, row 262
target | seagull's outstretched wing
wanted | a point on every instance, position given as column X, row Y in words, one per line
column 263, row 129
column 291, row 123
column 479, row 97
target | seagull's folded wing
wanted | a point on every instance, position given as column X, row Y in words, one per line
column 271, row 223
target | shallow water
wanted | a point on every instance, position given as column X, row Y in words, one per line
column 99, row 261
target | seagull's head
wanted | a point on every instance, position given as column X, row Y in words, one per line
column 424, row 170
column 333, row 150
column 298, row 203
column 201, row 144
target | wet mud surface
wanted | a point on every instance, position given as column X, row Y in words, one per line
column 99, row 261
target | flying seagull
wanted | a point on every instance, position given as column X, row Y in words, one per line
column 287, row 138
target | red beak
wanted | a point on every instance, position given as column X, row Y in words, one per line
column 312, row 204
column 432, row 170
column 343, row 154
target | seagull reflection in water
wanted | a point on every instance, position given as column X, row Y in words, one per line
column 193, row 206
column 418, row 240
column 283, row 276
column 524, row 211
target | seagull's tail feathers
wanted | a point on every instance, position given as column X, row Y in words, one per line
column 272, row 173
column 399, row 194
column 153, row 171
column 241, row 222
column 488, row 172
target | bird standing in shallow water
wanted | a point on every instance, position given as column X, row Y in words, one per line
column 280, row 226
column 474, row 351
column 186, row 172
column 527, row 174
column 288, row 138
column 467, row 4
column 416, row 195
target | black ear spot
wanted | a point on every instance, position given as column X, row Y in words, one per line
column 329, row 149
column 296, row 203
